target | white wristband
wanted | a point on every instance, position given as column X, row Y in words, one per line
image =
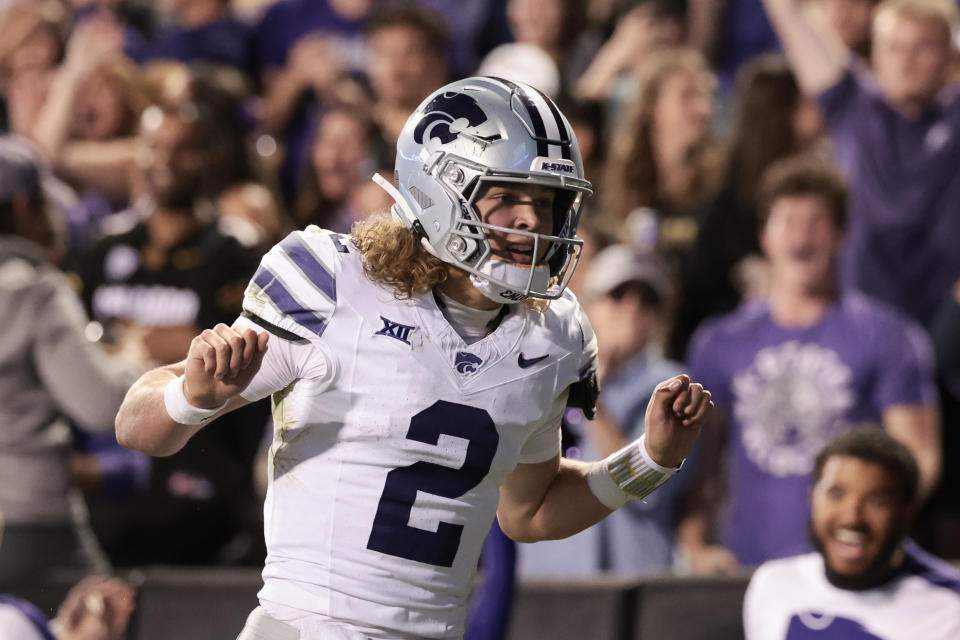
column 628, row 474
column 180, row 409
column 604, row 487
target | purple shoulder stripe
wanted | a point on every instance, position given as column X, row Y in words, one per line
column 315, row 271
column 932, row 569
column 31, row 613
column 286, row 303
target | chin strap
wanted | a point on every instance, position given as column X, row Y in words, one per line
column 402, row 212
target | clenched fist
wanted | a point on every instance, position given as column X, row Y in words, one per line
column 675, row 413
column 220, row 364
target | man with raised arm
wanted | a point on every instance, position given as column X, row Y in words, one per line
column 896, row 132
column 419, row 370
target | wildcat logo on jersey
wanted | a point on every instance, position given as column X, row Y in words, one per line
column 444, row 110
column 466, row 363
column 395, row 330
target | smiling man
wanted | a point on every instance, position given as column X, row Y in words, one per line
column 865, row 581
column 794, row 369
column 419, row 370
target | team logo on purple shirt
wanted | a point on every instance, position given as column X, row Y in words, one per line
column 791, row 401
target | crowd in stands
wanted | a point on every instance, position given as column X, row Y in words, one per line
column 775, row 212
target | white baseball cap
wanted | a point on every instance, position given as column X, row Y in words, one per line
column 619, row 264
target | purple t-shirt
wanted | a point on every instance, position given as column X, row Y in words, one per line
column 287, row 21
column 904, row 223
column 787, row 393
column 228, row 42
column 745, row 33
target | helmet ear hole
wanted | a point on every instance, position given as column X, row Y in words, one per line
column 564, row 225
column 562, row 203
column 471, row 189
column 558, row 260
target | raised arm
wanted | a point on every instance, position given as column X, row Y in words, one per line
column 312, row 65
column 102, row 164
column 638, row 33
column 814, row 52
column 917, row 427
column 559, row 497
column 220, row 364
column 704, row 22
column 91, row 44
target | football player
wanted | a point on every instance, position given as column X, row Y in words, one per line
column 866, row 580
column 419, row 369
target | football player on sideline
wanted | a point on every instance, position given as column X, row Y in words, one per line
column 866, row 580
column 419, row 369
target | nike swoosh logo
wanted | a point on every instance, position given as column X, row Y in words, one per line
column 524, row 363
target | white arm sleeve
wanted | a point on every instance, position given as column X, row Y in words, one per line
column 544, row 440
column 286, row 361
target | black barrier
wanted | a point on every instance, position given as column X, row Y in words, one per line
column 599, row 609
column 690, row 608
column 195, row 604
column 213, row 603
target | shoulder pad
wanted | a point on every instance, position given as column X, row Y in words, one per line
column 295, row 287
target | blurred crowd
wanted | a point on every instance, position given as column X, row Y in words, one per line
column 152, row 151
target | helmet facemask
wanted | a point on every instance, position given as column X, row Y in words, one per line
column 467, row 246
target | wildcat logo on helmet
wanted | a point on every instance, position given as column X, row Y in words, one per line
column 466, row 362
column 443, row 111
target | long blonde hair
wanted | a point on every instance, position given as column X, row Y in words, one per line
column 393, row 257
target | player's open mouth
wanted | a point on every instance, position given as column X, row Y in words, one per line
column 518, row 253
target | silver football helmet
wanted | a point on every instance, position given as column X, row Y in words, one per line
column 485, row 129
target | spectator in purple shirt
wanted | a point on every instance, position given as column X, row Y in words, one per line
column 203, row 30
column 728, row 33
column 795, row 368
column 896, row 130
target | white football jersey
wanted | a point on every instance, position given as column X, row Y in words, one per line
column 16, row 625
column 791, row 599
column 392, row 436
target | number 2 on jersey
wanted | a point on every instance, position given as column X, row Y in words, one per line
column 391, row 532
